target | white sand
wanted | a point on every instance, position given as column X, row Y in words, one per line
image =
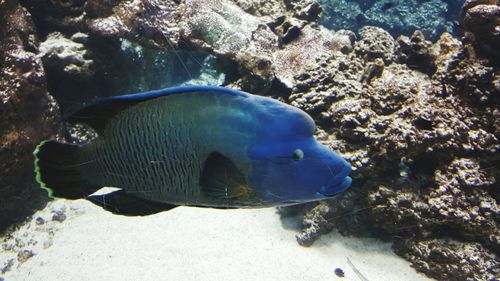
column 190, row 244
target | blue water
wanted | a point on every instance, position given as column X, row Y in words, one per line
column 399, row 17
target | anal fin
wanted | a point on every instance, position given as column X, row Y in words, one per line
column 121, row 203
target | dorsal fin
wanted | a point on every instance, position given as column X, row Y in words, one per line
column 98, row 113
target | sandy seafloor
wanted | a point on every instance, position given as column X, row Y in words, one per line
column 186, row 244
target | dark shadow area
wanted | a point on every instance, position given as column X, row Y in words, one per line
column 118, row 67
column 17, row 205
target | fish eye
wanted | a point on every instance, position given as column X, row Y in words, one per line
column 298, row 154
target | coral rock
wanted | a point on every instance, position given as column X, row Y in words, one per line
column 482, row 19
column 422, row 139
column 71, row 57
column 152, row 23
column 375, row 43
column 314, row 224
column 417, row 53
column 64, row 15
column 452, row 260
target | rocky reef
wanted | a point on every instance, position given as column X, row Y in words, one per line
column 419, row 120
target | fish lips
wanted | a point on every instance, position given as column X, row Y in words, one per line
column 337, row 185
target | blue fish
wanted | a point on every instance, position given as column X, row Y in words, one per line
column 201, row 146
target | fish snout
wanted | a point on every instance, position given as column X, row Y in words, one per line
column 338, row 184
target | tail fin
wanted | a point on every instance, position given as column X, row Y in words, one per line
column 57, row 171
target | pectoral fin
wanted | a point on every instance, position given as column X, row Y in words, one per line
column 221, row 178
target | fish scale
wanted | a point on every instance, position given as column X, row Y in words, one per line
column 152, row 164
column 178, row 162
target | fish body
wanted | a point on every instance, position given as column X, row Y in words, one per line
column 197, row 146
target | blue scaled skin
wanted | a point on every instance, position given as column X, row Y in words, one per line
column 196, row 146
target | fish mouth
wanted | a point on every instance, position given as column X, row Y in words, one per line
column 337, row 185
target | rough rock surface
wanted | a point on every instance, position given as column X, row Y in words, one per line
column 27, row 113
column 419, row 121
column 425, row 146
column 245, row 37
column 67, row 15
column 452, row 260
column 67, row 55
column 481, row 18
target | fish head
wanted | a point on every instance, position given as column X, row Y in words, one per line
column 300, row 172
column 290, row 166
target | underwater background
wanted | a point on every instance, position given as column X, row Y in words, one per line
column 407, row 91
